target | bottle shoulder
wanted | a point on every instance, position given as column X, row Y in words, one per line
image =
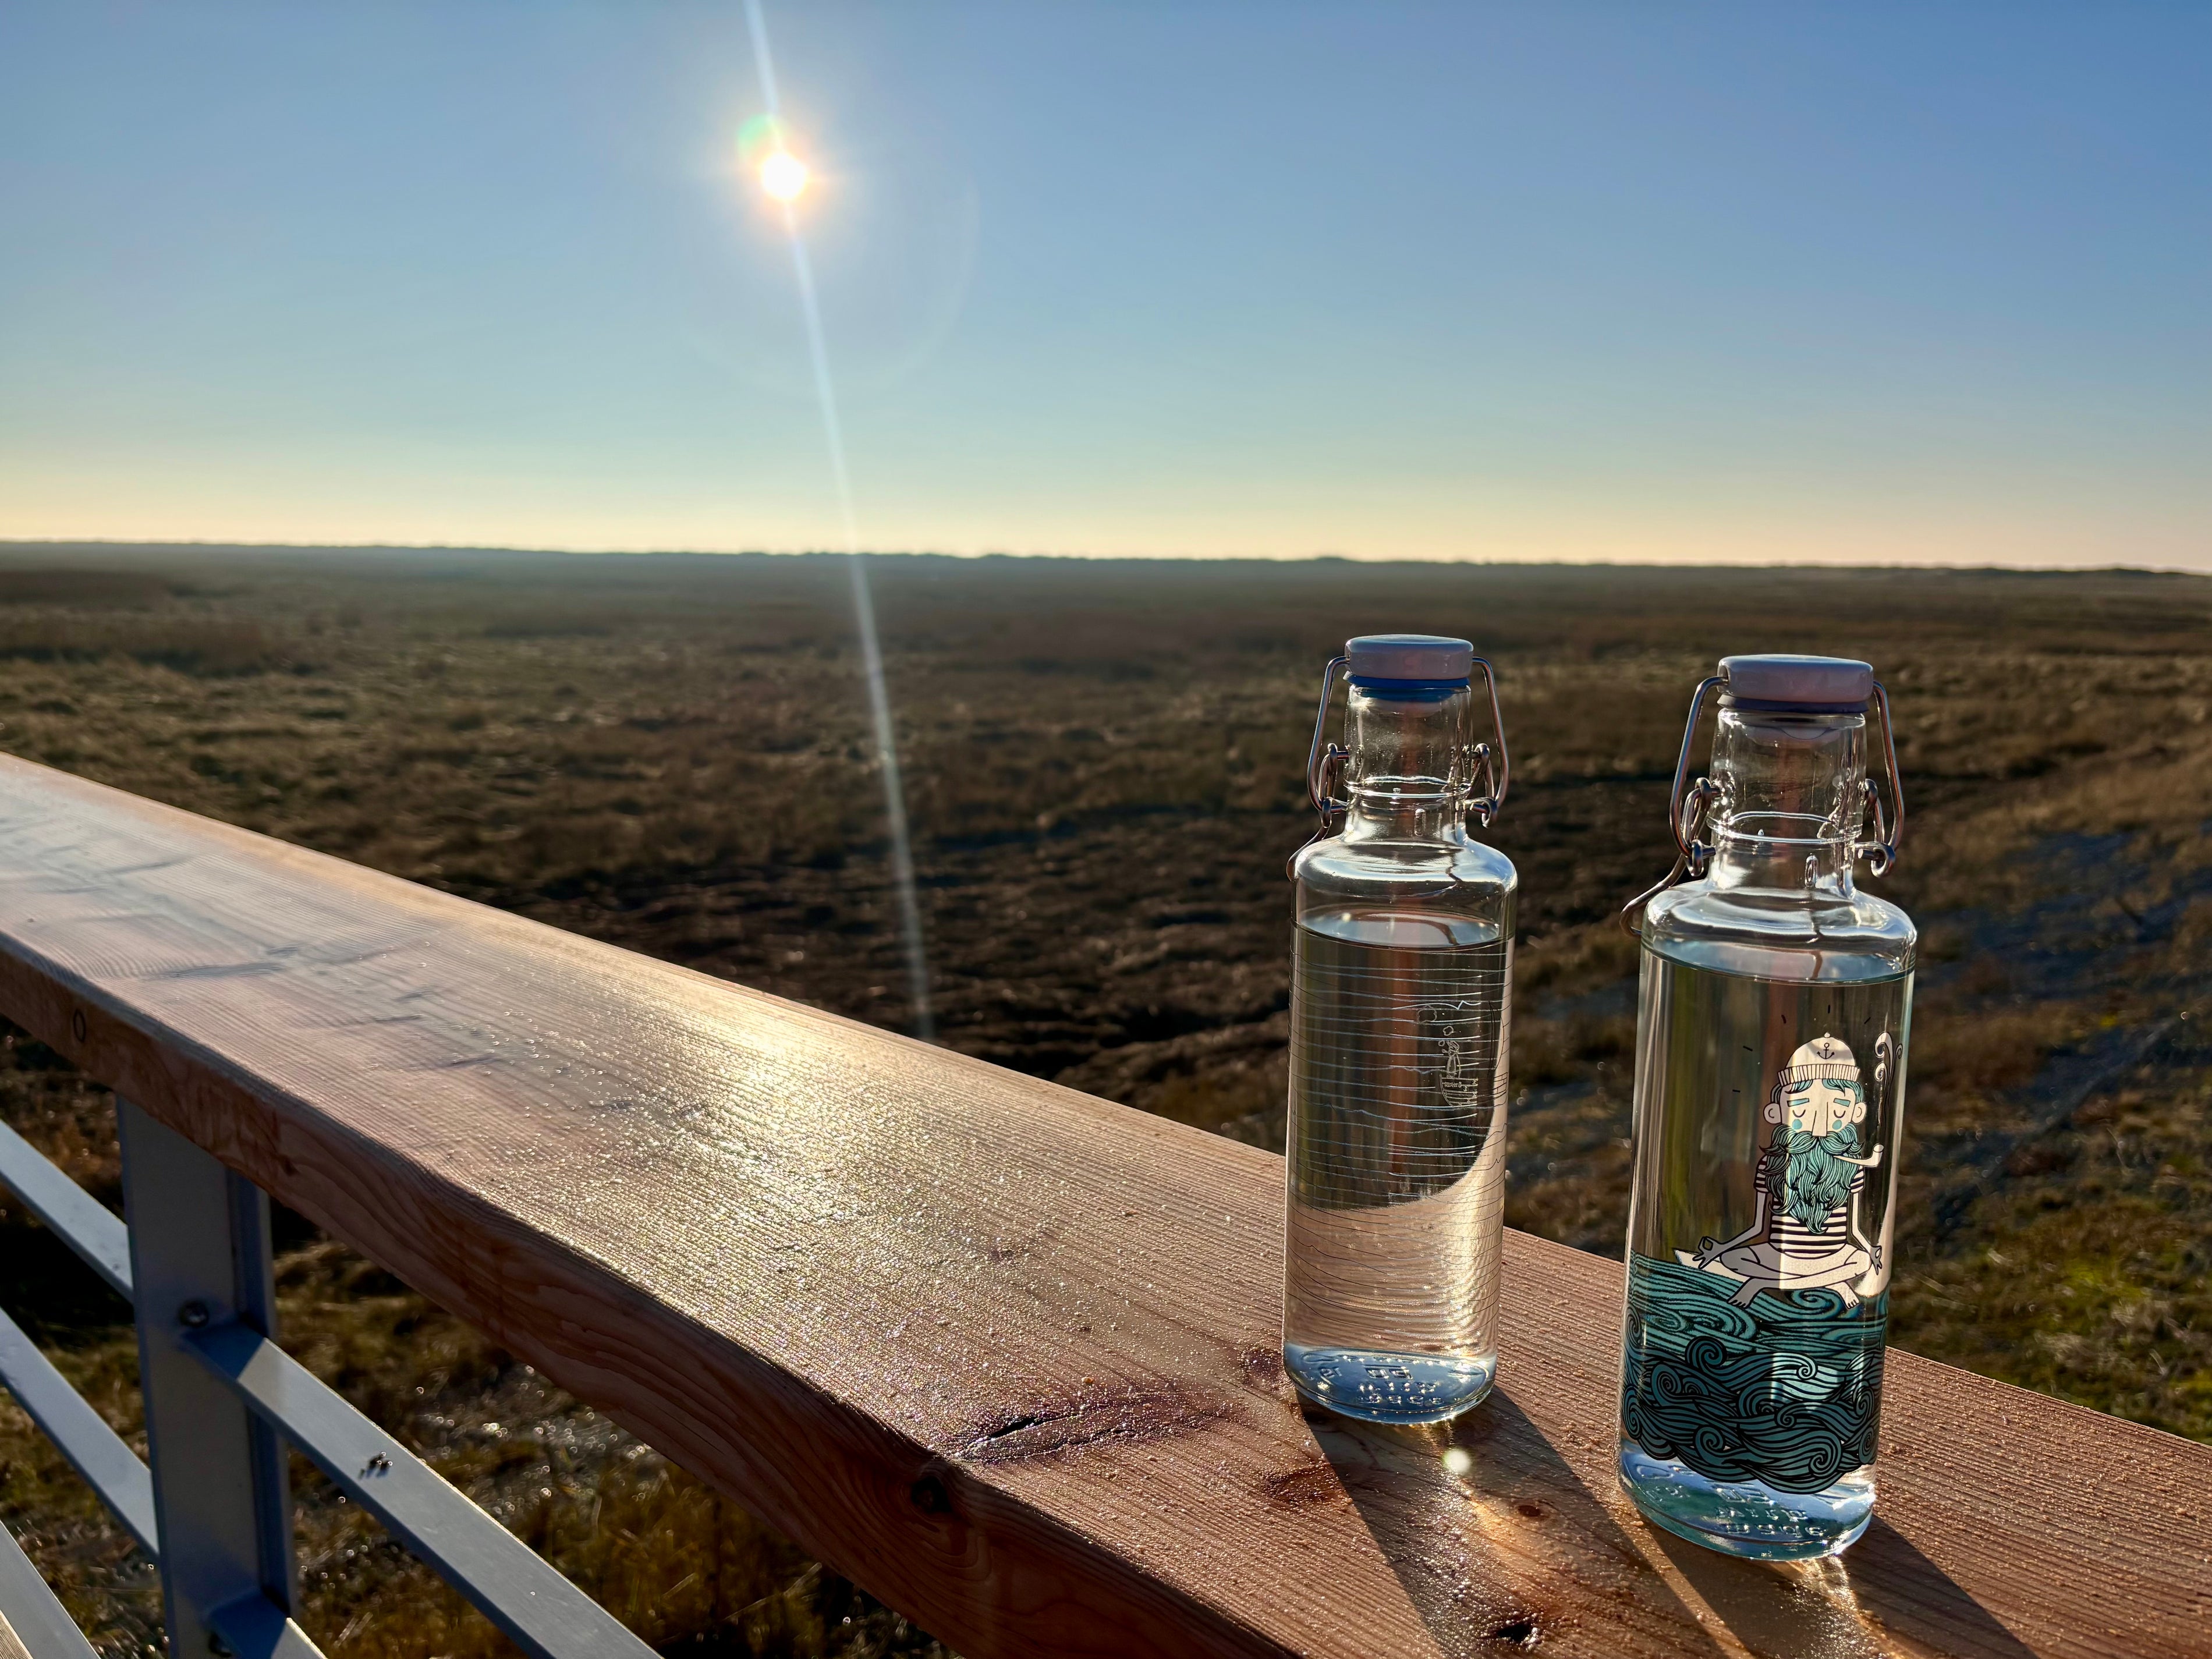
column 1463, row 871
column 1782, row 935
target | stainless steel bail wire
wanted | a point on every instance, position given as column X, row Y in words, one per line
column 1325, row 760
column 1880, row 853
column 1497, row 769
column 1692, row 853
column 1324, row 767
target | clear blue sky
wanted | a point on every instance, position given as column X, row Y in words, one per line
column 1910, row 281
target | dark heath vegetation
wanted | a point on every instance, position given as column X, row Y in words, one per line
column 1105, row 765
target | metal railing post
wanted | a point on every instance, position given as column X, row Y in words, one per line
column 200, row 1257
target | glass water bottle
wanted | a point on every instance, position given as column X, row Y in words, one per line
column 1399, row 1005
column 1775, row 1011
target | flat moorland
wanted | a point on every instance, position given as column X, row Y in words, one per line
column 1104, row 769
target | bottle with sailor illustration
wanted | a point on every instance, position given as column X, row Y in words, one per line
column 1774, row 1011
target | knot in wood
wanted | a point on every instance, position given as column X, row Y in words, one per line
column 930, row 1497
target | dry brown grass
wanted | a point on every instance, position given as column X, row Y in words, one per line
column 1105, row 765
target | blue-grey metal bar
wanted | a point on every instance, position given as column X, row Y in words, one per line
column 98, row 1453
column 255, row 1627
column 253, row 1263
column 541, row 1611
column 83, row 1222
column 30, row 1612
column 199, row 1256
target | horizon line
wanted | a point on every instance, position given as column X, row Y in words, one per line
column 13, row 544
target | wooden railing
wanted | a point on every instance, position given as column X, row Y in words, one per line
column 1005, row 1354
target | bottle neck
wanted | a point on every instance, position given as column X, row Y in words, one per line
column 1408, row 778
column 1792, row 801
column 1782, row 864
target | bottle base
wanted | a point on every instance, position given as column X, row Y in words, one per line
column 1747, row 1518
column 1380, row 1387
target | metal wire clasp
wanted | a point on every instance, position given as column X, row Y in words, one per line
column 1324, row 768
column 1325, row 762
column 1691, row 804
column 1497, row 768
column 1687, row 808
column 1880, row 853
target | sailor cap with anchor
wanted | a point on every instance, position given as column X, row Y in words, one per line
column 1824, row 1059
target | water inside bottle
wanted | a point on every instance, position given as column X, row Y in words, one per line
column 1397, row 1162
column 1760, row 1259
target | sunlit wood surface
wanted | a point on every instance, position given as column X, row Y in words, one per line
column 1004, row 1353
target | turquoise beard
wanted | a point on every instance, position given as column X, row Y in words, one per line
column 1787, row 1390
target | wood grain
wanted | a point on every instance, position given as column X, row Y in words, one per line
column 1004, row 1353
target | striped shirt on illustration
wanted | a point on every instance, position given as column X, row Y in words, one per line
column 1792, row 1237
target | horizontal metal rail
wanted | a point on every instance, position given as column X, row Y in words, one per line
column 70, row 1214
column 109, row 1467
column 540, row 1611
column 32, row 1620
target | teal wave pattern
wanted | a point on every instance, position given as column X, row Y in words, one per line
column 1787, row 1390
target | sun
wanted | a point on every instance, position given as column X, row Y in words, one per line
column 783, row 175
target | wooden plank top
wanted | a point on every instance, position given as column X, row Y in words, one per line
column 1006, row 1354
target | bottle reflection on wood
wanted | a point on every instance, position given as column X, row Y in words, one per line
column 1774, row 1012
column 1399, row 1007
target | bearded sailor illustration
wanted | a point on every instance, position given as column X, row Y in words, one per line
column 1807, row 1185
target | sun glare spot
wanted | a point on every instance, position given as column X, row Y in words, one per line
column 783, row 176
column 1457, row 1461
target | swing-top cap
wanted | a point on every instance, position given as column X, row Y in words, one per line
column 1797, row 685
column 1409, row 659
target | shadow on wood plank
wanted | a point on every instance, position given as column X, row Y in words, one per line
column 1515, row 1551
column 1856, row 1604
column 1899, row 1586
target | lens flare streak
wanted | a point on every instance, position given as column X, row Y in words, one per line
column 783, row 176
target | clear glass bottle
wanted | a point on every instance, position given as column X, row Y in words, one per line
column 1399, row 1005
column 1775, row 1011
